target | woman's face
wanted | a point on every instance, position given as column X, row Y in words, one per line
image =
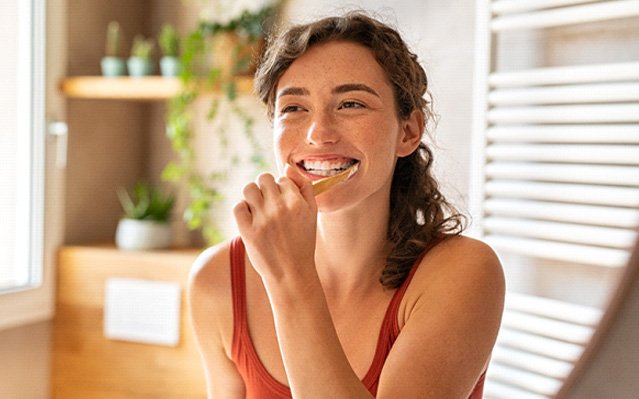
column 334, row 106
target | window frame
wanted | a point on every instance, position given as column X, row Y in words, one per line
column 33, row 300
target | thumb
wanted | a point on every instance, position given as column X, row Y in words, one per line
column 303, row 183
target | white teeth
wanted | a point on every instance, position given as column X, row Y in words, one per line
column 326, row 168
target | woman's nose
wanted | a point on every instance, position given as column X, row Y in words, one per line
column 322, row 130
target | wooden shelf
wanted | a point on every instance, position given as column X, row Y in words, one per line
column 150, row 88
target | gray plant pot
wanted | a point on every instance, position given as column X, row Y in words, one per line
column 134, row 234
column 139, row 67
column 113, row 66
column 170, row 66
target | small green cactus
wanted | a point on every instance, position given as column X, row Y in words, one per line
column 169, row 41
column 113, row 39
column 142, row 47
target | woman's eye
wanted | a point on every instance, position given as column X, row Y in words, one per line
column 351, row 104
column 290, row 108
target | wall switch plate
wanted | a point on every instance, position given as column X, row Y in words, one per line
column 143, row 311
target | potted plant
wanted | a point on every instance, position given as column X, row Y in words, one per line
column 146, row 220
column 199, row 74
column 140, row 62
column 112, row 63
column 169, row 41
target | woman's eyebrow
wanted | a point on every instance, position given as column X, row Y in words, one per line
column 293, row 91
column 354, row 87
column 344, row 88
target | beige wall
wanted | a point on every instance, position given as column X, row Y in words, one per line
column 24, row 369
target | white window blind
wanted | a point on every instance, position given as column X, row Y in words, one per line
column 555, row 180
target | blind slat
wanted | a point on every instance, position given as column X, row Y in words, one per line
column 561, row 232
column 497, row 390
column 625, row 71
column 510, row 6
column 574, row 153
column 529, row 362
column 526, row 380
column 554, row 329
column 543, row 346
column 604, row 134
column 582, row 94
column 559, row 212
column 568, row 173
column 619, row 113
column 563, row 192
column 552, row 308
column 574, row 253
column 567, row 16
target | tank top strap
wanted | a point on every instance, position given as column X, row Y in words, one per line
column 238, row 291
column 391, row 320
column 390, row 326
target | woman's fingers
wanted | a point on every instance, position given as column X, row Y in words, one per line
column 243, row 215
column 252, row 196
column 268, row 186
column 267, row 200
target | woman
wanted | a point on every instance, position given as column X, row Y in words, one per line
column 368, row 289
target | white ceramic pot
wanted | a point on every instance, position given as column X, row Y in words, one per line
column 139, row 67
column 134, row 234
column 113, row 66
column 169, row 66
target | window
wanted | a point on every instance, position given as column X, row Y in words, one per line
column 21, row 145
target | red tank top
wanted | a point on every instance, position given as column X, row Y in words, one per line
column 257, row 380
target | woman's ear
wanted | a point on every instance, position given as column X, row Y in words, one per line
column 411, row 134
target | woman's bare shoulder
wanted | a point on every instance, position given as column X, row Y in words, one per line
column 209, row 279
column 462, row 254
column 464, row 267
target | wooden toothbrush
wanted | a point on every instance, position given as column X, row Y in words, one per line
column 319, row 186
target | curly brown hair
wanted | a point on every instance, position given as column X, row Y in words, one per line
column 419, row 213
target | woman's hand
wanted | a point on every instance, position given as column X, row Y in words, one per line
column 277, row 221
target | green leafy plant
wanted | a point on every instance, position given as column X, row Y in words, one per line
column 169, row 41
column 250, row 25
column 146, row 202
column 198, row 76
column 113, row 39
column 142, row 47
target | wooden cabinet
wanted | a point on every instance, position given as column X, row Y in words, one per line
column 85, row 364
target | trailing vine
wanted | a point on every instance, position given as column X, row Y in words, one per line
column 197, row 77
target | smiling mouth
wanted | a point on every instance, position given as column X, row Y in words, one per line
column 326, row 168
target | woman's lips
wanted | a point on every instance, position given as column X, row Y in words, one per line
column 320, row 168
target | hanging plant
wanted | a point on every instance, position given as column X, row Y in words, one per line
column 200, row 74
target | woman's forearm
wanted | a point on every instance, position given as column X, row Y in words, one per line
column 315, row 363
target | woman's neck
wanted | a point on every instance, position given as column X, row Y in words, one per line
column 352, row 246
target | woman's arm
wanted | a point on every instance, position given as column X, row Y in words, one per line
column 450, row 323
column 210, row 308
column 278, row 225
column 315, row 362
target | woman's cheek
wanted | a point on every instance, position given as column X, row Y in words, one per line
column 283, row 142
